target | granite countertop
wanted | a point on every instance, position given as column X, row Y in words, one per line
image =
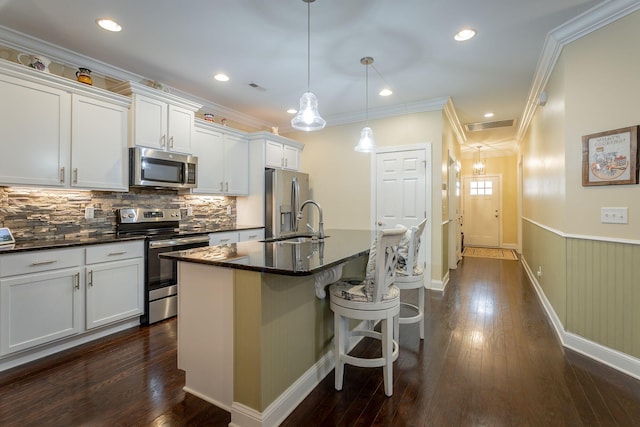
column 283, row 257
column 34, row 245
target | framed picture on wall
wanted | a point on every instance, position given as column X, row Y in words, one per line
column 610, row 157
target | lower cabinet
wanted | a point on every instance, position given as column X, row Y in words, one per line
column 113, row 288
column 48, row 295
column 227, row 237
column 39, row 308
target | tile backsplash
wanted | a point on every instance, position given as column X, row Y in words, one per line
column 46, row 214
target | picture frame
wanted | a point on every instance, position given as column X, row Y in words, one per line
column 611, row 157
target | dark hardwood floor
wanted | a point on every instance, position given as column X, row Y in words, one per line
column 489, row 358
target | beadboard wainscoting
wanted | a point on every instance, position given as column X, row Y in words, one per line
column 589, row 288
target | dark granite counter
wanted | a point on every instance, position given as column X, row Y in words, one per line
column 291, row 258
column 35, row 245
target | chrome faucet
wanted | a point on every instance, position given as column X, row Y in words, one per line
column 320, row 233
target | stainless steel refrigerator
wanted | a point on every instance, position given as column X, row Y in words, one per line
column 284, row 193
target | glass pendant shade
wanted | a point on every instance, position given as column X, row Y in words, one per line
column 366, row 143
column 308, row 117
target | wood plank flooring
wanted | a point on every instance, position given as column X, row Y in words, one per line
column 489, row 358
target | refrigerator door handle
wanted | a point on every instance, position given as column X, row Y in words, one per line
column 295, row 203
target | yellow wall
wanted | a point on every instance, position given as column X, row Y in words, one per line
column 588, row 268
column 340, row 178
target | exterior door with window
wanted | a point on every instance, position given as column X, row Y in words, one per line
column 481, row 214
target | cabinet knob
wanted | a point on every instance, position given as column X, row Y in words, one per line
column 171, row 142
column 75, row 176
column 163, row 141
column 62, row 175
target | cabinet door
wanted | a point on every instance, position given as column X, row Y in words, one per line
column 180, row 129
column 223, row 238
column 236, row 165
column 273, row 156
column 35, row 118
column 99, row 144
column 290, row 155
column 149, row 122
column 208, row 146
column 114, row 291
column 39, row 308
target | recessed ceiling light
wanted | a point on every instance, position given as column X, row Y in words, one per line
column 465, row 34
column 386, row 92
column 109, row 24
column 292, row 111
column 488, row 115
column 221, row 77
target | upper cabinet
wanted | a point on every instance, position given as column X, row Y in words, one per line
column 223, row 160
column 281, row 154
column 158, row 119
column 64, row 133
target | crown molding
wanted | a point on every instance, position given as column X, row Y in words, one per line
column 25, row 43
column 586, row 23
column 452, row 116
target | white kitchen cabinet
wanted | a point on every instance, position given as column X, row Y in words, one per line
column 99, row 144
column 252, row 234
column 43, row 303
column 281, row 156
column 265, row 151
column 223, row 160
column 158, row 119
column 114, row 282
column 235, row 236
column 63, row 133
column 223, row 238
column 48, row 295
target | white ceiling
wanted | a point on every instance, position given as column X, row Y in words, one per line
column 184, row 43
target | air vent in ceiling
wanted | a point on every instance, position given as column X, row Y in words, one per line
column 257, row 86
column 472, row 127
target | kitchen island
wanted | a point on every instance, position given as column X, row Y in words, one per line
column 254, row 329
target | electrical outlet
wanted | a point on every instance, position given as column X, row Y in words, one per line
column 189, row 211
column 539, row 272
column 614, row 215
column 89, row 212
column 228, row 209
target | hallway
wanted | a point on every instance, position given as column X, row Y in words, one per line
column 489, row 358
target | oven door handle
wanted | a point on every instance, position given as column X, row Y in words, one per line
column 165, row 243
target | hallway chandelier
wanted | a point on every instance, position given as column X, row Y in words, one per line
column 308, row 117
column 366, row 143
column 478, row 165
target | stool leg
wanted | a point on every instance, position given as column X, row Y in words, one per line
column 387, row 354
column 339, row 347
column 421, row 308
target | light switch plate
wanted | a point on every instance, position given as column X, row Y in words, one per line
column 88, row 212
column 614, row 215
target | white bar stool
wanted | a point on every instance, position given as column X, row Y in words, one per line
column 375, row 298
column 409, row 275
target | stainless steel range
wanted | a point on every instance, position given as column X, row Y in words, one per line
column 161, row 228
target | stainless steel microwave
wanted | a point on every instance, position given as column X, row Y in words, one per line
column 157, row 168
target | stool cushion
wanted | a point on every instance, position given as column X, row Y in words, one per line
column 357, row 292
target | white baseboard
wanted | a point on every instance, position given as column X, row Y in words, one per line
column 440, row 285
column 610, row 357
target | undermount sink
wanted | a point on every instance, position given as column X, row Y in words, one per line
column 293, row 240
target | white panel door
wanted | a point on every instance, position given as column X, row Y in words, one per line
column 208, row 146
column 401, row 188
column 180, row 129
column 236, row 170
column 401, row 194
column 150, row 124
column 481, row 217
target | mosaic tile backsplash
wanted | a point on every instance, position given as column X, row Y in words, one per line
column 46, row 214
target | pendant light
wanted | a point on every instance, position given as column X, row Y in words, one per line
column 366, row 143
column 478, row 165
column 308, row 117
